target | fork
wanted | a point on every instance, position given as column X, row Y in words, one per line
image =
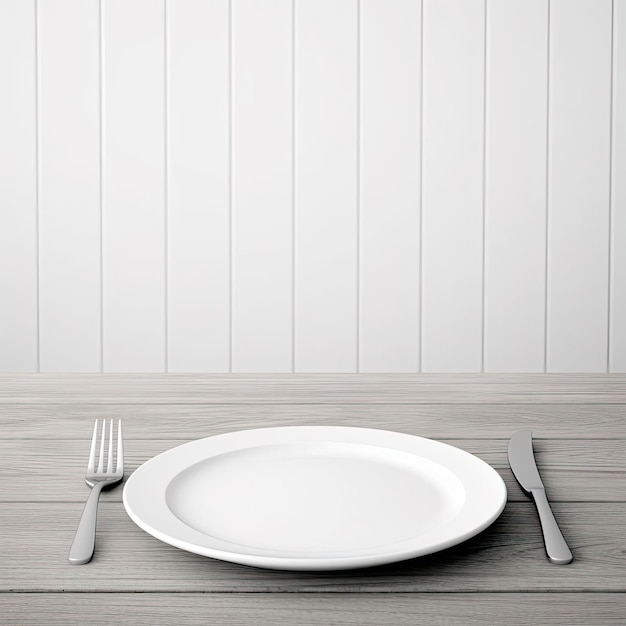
column 98, row 479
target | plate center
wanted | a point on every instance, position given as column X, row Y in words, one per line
column 315, row 498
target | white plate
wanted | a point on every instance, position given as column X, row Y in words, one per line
column 314, row 497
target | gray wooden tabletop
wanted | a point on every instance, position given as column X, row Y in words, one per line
column 499, row 577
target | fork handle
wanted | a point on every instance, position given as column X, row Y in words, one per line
column 82, row 549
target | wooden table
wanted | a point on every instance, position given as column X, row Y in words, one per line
column 500, row 577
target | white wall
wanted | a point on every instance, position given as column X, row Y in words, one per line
column 313, row 185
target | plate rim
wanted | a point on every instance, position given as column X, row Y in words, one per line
column 273, row 559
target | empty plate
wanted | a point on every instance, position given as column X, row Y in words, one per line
column 314, row 497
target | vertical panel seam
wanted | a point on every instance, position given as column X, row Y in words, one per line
column 420, row 278
column 358, row 186
column 611, row 268
column 166, row 167
column 293, row 186
column 230, row 185
column 484, row 192
column 101, row 171
column 37, row 184
column 547, row 199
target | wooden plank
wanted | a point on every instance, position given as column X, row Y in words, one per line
column 452, row 187
column 310, row 388
column 198, row 286
column 509, row 556
column 578, row 187
column 134, row 186
column 617, row 329
column 573, row 471
column 18, row 188
column 528, row 609
column 262, row 186
column 389, row 315
column 564, row 422
column 515, row 185
column 69, row 170
column 326, row 65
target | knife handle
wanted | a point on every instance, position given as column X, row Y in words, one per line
column 556, row 547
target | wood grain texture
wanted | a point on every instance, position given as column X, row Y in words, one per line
column 314, row 388
column 509, row 556
column 182, row 422
column 371, row 609
column 572, row 470
column 502, row 574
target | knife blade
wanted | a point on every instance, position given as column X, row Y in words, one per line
column 524, row 468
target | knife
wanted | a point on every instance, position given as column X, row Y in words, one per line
column 522, row 462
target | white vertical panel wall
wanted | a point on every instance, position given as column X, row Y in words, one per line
column 313, row 185
column 198, row 186
column 262, row 185
column 515, row 185
column 389, row 191
column 69, row 185
column 452, row 185
column 19, row 333
column 579, row 149
column 326, row 185
column 133, row 185
column 617, row 279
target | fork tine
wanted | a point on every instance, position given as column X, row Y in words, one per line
column 110, row 461
column 119, row 465
column 101, row 459
column 92, row 452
